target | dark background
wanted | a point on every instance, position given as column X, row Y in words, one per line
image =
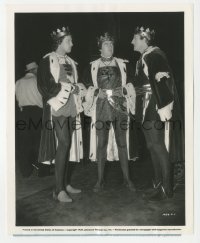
column 32, row 37
column 32, row 42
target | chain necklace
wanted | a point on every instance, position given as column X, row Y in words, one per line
column 104, row 60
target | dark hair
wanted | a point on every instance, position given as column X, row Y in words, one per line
column 105, row 37
column 57, row 42
column 149, row 37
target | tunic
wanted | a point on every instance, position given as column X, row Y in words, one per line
column 110, row 78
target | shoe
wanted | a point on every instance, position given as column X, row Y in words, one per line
column 131, row 186
column 153, row 190
column 167, row 193
column 158, row 194
column 62, row 197
column 156, row 185
column 153, row 195
column 72, row 190
column 98, row 187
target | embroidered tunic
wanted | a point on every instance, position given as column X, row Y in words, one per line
column 117, row 77
column 109, row 78
column 49, row 85
column 69, row 109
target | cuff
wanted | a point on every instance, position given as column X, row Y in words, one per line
column 55, row 103
column 165, row 113
column 61, row 98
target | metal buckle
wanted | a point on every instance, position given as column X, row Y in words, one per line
column 109, row 92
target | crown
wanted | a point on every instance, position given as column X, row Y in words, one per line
column 103, row 38
column 146, row 33
column 60, row 33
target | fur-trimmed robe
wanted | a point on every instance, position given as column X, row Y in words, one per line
column 54, row 96
column 90, row 81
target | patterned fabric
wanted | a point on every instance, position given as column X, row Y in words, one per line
column 69, row 109
column 124, row 79
column 109, row 77
column 50, row 87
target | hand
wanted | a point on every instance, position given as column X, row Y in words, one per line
column 76, row 90
column 165, row 113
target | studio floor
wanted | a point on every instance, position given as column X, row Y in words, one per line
column 114, row 206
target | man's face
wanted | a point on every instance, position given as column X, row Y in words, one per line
column 67, row 44
column 138, row 43
column 107, row 49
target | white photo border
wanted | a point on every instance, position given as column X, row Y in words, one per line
column 189, row 186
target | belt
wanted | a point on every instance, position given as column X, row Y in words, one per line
column 107, row 93
column 143, row 90
column 146, row 92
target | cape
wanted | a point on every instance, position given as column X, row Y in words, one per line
column 50, row 88
column 90, row 80
column 158, row 73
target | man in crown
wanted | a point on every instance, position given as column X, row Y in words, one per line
column 109, row 101
column 62, row 102
column 158, row 109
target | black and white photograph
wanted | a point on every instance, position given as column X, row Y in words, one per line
column 99, row 121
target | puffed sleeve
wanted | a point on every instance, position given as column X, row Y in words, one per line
column 45, row 81
column 87, row 77
column 160, row 78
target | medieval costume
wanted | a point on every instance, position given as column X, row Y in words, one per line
column 158, row 109
column 109, row 101
column 61, row 134
column 111, row 109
